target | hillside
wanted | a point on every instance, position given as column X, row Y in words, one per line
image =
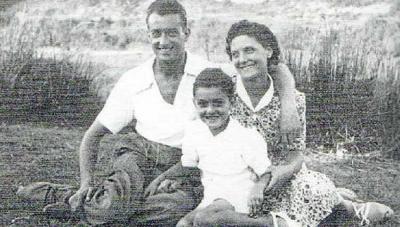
column 73, row 25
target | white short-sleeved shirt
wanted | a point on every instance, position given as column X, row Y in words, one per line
column 137, row 96
column 227, row 161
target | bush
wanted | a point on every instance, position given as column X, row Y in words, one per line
column 352, row 93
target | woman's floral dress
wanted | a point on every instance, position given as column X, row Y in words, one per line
column 310, row 196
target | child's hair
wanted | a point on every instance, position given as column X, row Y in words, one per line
column 215, row 78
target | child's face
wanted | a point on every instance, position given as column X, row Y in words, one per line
column 213, row 107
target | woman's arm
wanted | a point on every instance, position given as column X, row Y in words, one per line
column 291, row 147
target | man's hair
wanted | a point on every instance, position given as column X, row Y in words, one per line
column 214, row 78
column 167, row 7
column 259, row 32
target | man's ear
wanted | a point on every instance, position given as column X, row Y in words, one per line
column 187, row 33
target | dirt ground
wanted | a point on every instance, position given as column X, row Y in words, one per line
column 31, row 153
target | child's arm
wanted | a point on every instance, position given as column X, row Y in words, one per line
column 257, row 193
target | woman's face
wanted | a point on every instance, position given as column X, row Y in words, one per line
column 249, row 57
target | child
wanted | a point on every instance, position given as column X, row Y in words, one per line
column 232, row 158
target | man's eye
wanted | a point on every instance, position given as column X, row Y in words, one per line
column 173, row 33
column 155, row 33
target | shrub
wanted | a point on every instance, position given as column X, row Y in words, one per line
column 352, row 91
column 36, row 89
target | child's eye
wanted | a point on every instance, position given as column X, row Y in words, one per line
column 201, row 103
column 218, row 103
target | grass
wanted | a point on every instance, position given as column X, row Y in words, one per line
column 30, row 153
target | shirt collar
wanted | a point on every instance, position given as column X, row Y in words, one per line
column 193, row 66
column 265, row 100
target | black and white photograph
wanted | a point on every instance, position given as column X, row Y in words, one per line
column 272, row 113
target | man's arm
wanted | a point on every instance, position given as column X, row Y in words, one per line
column 88, row 151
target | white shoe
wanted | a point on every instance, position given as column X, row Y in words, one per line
column 372, row 212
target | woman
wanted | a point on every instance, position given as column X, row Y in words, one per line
column 301, row 194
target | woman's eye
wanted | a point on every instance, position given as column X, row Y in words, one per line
column 235, row 55
column 249, row 50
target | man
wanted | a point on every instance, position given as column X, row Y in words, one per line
column 157, row 95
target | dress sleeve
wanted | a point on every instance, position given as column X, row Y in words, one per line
column 256, row 155
column 190, row 157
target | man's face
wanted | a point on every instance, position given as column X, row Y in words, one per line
column 213, row 107
column 249, row 57
column 167, row 36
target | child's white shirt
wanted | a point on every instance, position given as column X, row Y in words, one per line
column 227, row 161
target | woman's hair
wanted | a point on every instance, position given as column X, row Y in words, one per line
column 259, row 32
column 214, row 78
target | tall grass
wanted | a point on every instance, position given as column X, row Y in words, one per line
column 48, row 90
column 353, row 92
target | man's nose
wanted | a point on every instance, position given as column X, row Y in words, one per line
column 164, row 38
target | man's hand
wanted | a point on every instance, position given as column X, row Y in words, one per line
column 256, row 197
column 169, row 186
column 84, row 194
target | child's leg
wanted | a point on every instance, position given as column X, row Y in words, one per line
column 222, row 213
column 188, row 219
column 285, row 84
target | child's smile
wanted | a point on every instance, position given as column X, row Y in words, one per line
column 213, row 107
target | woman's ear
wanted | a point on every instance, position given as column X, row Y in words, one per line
column 269, row 52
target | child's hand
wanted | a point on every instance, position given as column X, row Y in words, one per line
column 83, row 195
column 256, row 197
column 153, row 186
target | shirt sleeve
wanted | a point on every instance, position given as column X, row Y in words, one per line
column 118, row 110
column 190, row 157
column 256, row 155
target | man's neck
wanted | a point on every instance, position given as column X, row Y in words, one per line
column 170, row 69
